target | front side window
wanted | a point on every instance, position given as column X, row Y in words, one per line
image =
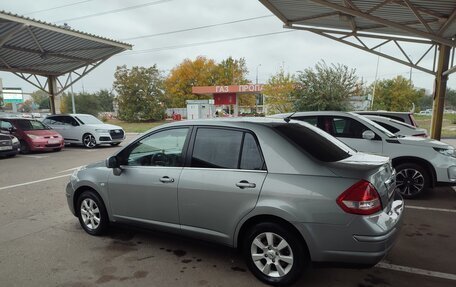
column 217, row 148
column 163, row 148
column 344, row 127
column 70, row 121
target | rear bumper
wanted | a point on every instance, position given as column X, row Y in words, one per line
column 365, row 240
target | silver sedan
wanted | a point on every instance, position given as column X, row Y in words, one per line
column 284, row 192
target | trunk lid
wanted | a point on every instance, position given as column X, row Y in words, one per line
column 375, row 169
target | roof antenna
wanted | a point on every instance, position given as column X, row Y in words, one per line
column 288, row 118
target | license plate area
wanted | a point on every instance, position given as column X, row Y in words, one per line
column 8, row 147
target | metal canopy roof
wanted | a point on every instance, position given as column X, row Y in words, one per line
column 35, row 47
column 433, row 20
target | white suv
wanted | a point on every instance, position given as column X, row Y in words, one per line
column 420, row 163
column 85, row 129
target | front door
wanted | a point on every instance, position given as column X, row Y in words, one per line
column 146, row 190
column 221, row 184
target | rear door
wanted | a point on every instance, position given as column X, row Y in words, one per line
column 221, row 182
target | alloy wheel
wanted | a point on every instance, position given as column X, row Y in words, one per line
column 410, row 181
column 89, row 141
column 90, row 214
column 272, row 254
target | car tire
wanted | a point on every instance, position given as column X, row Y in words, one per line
column 274, row 254
column 89, row 141
column 412, row 180
column 92, row 213
column 115, row 144
column 24, row 147
column 58, row 149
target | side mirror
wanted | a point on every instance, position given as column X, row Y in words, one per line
column 112, row 162
column 74, row 124
column 368, row 135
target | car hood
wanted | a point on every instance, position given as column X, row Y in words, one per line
column 104, row 126
column 42, row 133
column 419, row 141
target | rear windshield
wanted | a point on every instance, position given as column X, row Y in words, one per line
column 30, row 125
column 315, row 142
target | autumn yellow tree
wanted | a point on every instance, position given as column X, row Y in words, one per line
column 396, row 94
column 205, row 72
column 199, row 72
column 279, row 92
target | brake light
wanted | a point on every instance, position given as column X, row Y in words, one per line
column 360, row 198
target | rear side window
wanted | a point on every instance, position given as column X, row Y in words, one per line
column 313, row 143
column 225, row 148
column 217, row 148
column 251, row 157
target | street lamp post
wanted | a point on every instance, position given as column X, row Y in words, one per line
column 257, row 73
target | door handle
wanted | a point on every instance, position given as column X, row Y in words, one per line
column 166, row 179
column 245, row 184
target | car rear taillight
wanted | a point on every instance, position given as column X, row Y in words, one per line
column 360, row 198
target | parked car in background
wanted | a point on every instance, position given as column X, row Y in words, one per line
column 9, row 144
column 85, row 129
column 397, row 127
column 420, row 163
column 286, row 194
column 405, row 117
column 33, row 135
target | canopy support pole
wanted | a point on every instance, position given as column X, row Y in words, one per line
column 440, row 85
column 52, row 80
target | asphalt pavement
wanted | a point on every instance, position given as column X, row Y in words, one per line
column 42, row 243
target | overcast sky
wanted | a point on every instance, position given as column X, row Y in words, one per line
column 295, row 50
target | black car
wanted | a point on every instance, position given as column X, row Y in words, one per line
column 9, row 145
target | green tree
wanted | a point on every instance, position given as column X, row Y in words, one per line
column 105, row 100
column 325, row 88
column 450, row 98
column 231, row 72
column 41, row 98
column 397, row 94
column 280, row 91
column 140, row 93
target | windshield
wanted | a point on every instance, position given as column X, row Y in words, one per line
column 314, row 141
column 88, row 120
column 30, row 125
column 375, row 125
